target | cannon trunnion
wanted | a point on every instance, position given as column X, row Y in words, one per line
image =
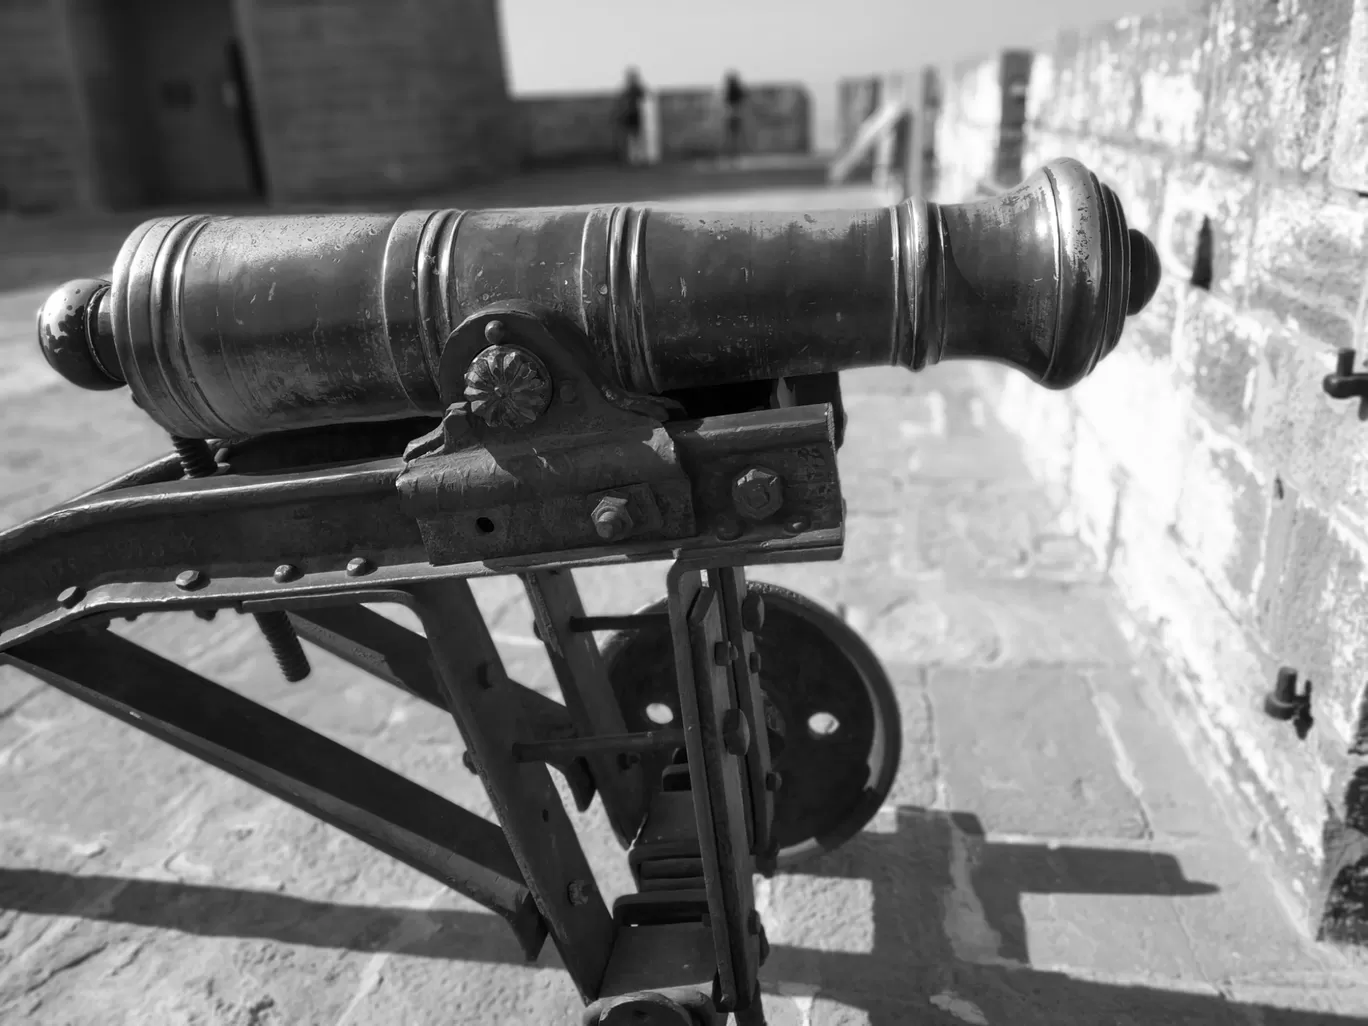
column 376, row 408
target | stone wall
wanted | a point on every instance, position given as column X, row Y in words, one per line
column 357, row 99
column 42, row 145
column 580, row 128
column 1219, row 485
column 353, row 99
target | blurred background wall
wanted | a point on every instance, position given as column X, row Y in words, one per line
column 125, row 103
column 132, row 103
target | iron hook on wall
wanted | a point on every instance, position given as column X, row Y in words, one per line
column 1346, row 383
column 1284, row 702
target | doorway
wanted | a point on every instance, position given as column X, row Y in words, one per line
column 196, row 103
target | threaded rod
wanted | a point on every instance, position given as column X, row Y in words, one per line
column 289, row 653
column 195, row 457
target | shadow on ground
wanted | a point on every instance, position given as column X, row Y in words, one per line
column 918, row 871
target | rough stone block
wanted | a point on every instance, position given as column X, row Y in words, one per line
column 1112, row 83
column 1172, row 47
column 1216, row 352
column 1043, row 420
column 1317, row 616
column 1218, row 673
column 1131, row 405
column 1301, row 434
column 1150, row 332
column 1062, row 104
column 1349, row 151
column 1221, row 516
column 1225, row 201
column 1308, row 263
column 1275, row 74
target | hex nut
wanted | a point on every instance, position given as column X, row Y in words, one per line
column 757, row 493
column 611, row 518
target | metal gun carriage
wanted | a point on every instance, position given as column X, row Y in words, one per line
column 373, row 408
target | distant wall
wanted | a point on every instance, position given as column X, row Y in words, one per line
column 357, row 99
column 1223, row 490
column 580, row 128
column 353, row 99
column 567, row 129
column 42, row 144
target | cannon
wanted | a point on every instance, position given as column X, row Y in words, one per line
column 378, row 408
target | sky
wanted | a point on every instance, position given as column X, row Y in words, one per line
column 573, row 45
column 558, row 46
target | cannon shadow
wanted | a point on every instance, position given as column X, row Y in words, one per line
column 914, row 968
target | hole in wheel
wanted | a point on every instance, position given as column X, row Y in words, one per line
column 659, row 713
column 823, row 725
column 484, row 525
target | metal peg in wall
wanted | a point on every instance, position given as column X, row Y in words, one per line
column 1346, row 383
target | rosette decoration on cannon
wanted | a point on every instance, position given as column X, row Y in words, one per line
column 374, row 409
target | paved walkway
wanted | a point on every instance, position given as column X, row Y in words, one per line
column 1048, row 855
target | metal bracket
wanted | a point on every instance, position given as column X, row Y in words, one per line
column 530, row 444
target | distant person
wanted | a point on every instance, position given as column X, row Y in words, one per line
column 630, row 121
column 734, row 97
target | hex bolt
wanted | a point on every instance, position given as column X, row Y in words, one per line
column 753, row 611
column 611, row 518
column 359, row 567
column 289, row 654
column 579, row 892
column 285, row 573
column 757, row 493
column 70, row 597
column 189, row 580
column 735, row 732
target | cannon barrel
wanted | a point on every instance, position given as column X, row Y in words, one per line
column 240, row 326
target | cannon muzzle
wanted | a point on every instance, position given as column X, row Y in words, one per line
column 241, row 326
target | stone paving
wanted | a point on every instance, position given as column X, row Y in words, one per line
column 1048, row 856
